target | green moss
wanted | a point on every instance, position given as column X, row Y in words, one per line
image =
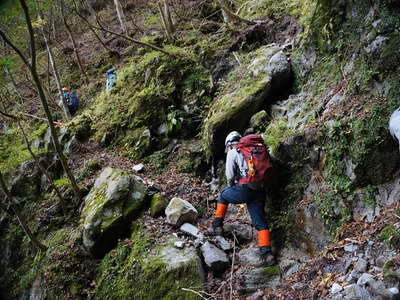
column 272, row 8
column 390, row 236
column 276, row 133
column 63, row 271
column 158, row 160
column 129, row 272
column 388, row 270
column 80, row 126
column 271, row 271
column 237, row 96
column 158, row 205
column 62, row 182
column 89, row 168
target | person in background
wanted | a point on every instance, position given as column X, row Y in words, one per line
column 71, row 100
column 111, row 80
column 394, row 125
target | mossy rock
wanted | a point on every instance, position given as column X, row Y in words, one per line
column 109, row 207
column 142, row 271
column 158, row 205
column 81, row 126
column 245, row 92
column 137, row 142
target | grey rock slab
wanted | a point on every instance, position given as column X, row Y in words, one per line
column 350, row 248
column 249, row 257
column 37, row 292
column 138, row 168
column 289, row 267
column 256, row 279
column 364, row 279
column 215, row 258
column 243, row 232
column 71, row 145
column 361, row 265
column 335, row 288
column 175, row 258
column 257, row 295
column 381, row 260
column 356, row 292
column 223, row 243
column 191, row 230
column 180, row 211
column 390, row 192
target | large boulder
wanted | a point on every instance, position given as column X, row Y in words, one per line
column 114, row 199
column 244, row 94
column 180, row 211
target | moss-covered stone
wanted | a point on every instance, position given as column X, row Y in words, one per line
column 244, row 94
column 109, row 207
column 158, row 205
column 81, row 126
column 130, row 272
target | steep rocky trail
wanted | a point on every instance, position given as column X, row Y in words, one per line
column 359, row 252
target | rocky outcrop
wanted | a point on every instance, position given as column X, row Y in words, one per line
column 109, row 207
column 245, row 94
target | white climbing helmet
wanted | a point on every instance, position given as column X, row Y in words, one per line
column 232, row 138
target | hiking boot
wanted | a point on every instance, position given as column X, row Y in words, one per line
column 216, row 226
column 267, row 259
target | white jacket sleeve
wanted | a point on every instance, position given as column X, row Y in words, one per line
column 230, row 167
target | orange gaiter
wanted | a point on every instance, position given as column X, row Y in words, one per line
column 264, row 238
column 221, row 210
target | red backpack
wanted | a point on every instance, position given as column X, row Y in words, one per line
column 257, row 158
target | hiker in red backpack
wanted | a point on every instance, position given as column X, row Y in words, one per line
column 247, row 165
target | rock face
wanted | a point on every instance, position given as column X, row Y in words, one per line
column 245, row 95
column 215, row 258
column 249, row 257
column 110, row 205
column 260, row 278
column 180, row 211
column 26, row 182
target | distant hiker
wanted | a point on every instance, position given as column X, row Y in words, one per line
column 65, row 95
column 111, row 80
column 394, row 125
column 247, row 165
column 71, row 100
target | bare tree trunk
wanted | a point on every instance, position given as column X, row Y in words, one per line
column 93, row 30
column 62, row 103
column 35, row 76
column 53, row 25
column 231, row 17
column 101, row 27
column 166, row 20
column 168, row 17
column 74, row 45
column 121, row 16
column 38, row 245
